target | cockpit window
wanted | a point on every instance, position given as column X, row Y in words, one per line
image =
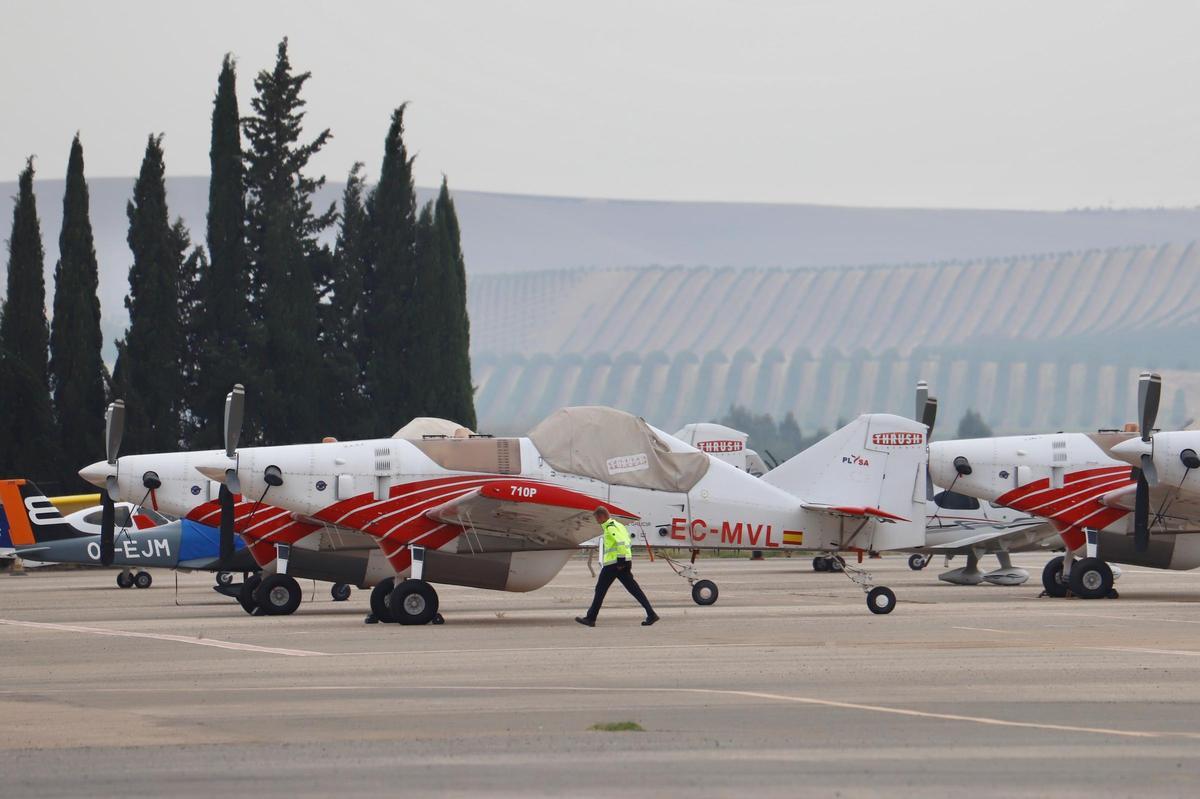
column 952, row 500
column 120, row 517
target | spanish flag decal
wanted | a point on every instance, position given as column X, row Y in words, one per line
column 793, row 537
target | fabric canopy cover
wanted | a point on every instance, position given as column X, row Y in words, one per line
column 432, row 426
column 615, row 447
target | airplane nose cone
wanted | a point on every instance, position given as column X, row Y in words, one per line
column 941, row 469
column 1132, row 450
column 213, row 471
column 97, row 473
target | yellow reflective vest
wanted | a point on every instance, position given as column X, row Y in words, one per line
column 616, row 542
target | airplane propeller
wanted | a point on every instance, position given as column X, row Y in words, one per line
column 1149, row 393
column 114, row 431
column 926, row 411
column 235, row 407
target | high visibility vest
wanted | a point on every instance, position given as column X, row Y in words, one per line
column 616, row 542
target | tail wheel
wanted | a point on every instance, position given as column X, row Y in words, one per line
column 340, row 592
column 142, row 580
column 820, row 564
column 414, row 602
column 1052, row 580
column 124, row 580
column 279, row 595
column 381, row 600
column 1091, row 578
column 917, row 562
column 704, row 592
column 246, row 594
column 881, row 600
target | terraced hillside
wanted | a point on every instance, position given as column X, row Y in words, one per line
column 1033, row 343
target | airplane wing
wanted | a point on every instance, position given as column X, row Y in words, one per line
column 547, row 516
column 1011, row 538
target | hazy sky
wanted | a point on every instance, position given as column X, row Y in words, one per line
column 918, row 103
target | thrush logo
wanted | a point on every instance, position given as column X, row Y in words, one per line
column 897, row 439
column 720, row 446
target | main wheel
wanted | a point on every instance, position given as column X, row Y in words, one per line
column 917, row 562
column 246, row 594
column 1052, row 580
column 340, row 592
column 704, row 592
column 836, row 564
column 279, row 595
column 1091, row 578
column 142, row 580
column 820, row 564
column 881, row 600
column 381, row 600
column 224, row 578
column 414, row 602
column 124, row 580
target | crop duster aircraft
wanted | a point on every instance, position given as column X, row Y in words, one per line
column 1104, row 510
column 507, row 513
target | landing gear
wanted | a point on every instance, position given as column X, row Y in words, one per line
column 1091, row 578
column 414, row 602
column 820, row 564
column 917, row 562
column 704, row 592
column 124, row 580
column 340, row 592
column 224, row 578
column 246, row 594
column 279, row 595
column 381, row 602
column 828, row 563
column 142, row 580
column 881, row 600
column 1052, row 579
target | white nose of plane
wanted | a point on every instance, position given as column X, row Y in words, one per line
column 1131, row 451
column 98, row 472
column 941, row 466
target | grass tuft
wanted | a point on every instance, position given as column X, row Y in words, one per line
column 617, row 726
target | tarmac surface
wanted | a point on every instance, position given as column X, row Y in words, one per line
column 787, row 686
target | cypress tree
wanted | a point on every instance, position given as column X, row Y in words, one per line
column 286, row 261
column 219, row 319
column 393, row 376
column 28, row 443
column 77, row 371
column 458, row 394
column 148, row 366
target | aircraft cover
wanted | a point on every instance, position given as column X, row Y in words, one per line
column 431, row 426
column 617, row 448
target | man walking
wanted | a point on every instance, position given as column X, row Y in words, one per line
column 618, row 565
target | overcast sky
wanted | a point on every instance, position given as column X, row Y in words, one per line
column 921, row 103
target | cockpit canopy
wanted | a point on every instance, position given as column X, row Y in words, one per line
column 617, row 448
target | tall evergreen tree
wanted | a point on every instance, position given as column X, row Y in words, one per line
column 393, row 374
column 457, row 399
column 285, row 257
column 148, row 366
column 218, row 330
column 77, row 371
column 28, row 444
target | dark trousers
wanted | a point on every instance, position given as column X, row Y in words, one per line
column 621, row 570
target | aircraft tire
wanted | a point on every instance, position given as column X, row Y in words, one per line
column 246, row 594
column 704, row 592
column 124, row 580
column 224, row 578
column 881, row 600
column 1052, row 578
column 381, row 598
column 340, row 592
column 917, row 562
column 414, row 602
column 820, row 564
column 279, row 595
column 142, row 580
column 836, row 564
column 1091, row 578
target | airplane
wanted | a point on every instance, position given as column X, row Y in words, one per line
column 1083, row 484
column 507, row 513
column 36, row 530
column 723, row 443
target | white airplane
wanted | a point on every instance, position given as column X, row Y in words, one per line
column 507, row 513
column 1083, row 484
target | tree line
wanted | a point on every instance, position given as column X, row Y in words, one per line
column 350, row 341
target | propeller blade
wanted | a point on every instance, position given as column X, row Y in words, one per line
column 231, row 480
column 114, row 429
column 1141, row 513
column 922, row 396
column 1149, row 392
column 929, row 414
column 235, row 407
column 1149, row 470
column 108, row 523
column 225, row 499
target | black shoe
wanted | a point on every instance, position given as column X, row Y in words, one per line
column 585, row 621
column 650, row 620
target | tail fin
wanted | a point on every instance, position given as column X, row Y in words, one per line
column 872, row 468
column 29, row 517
